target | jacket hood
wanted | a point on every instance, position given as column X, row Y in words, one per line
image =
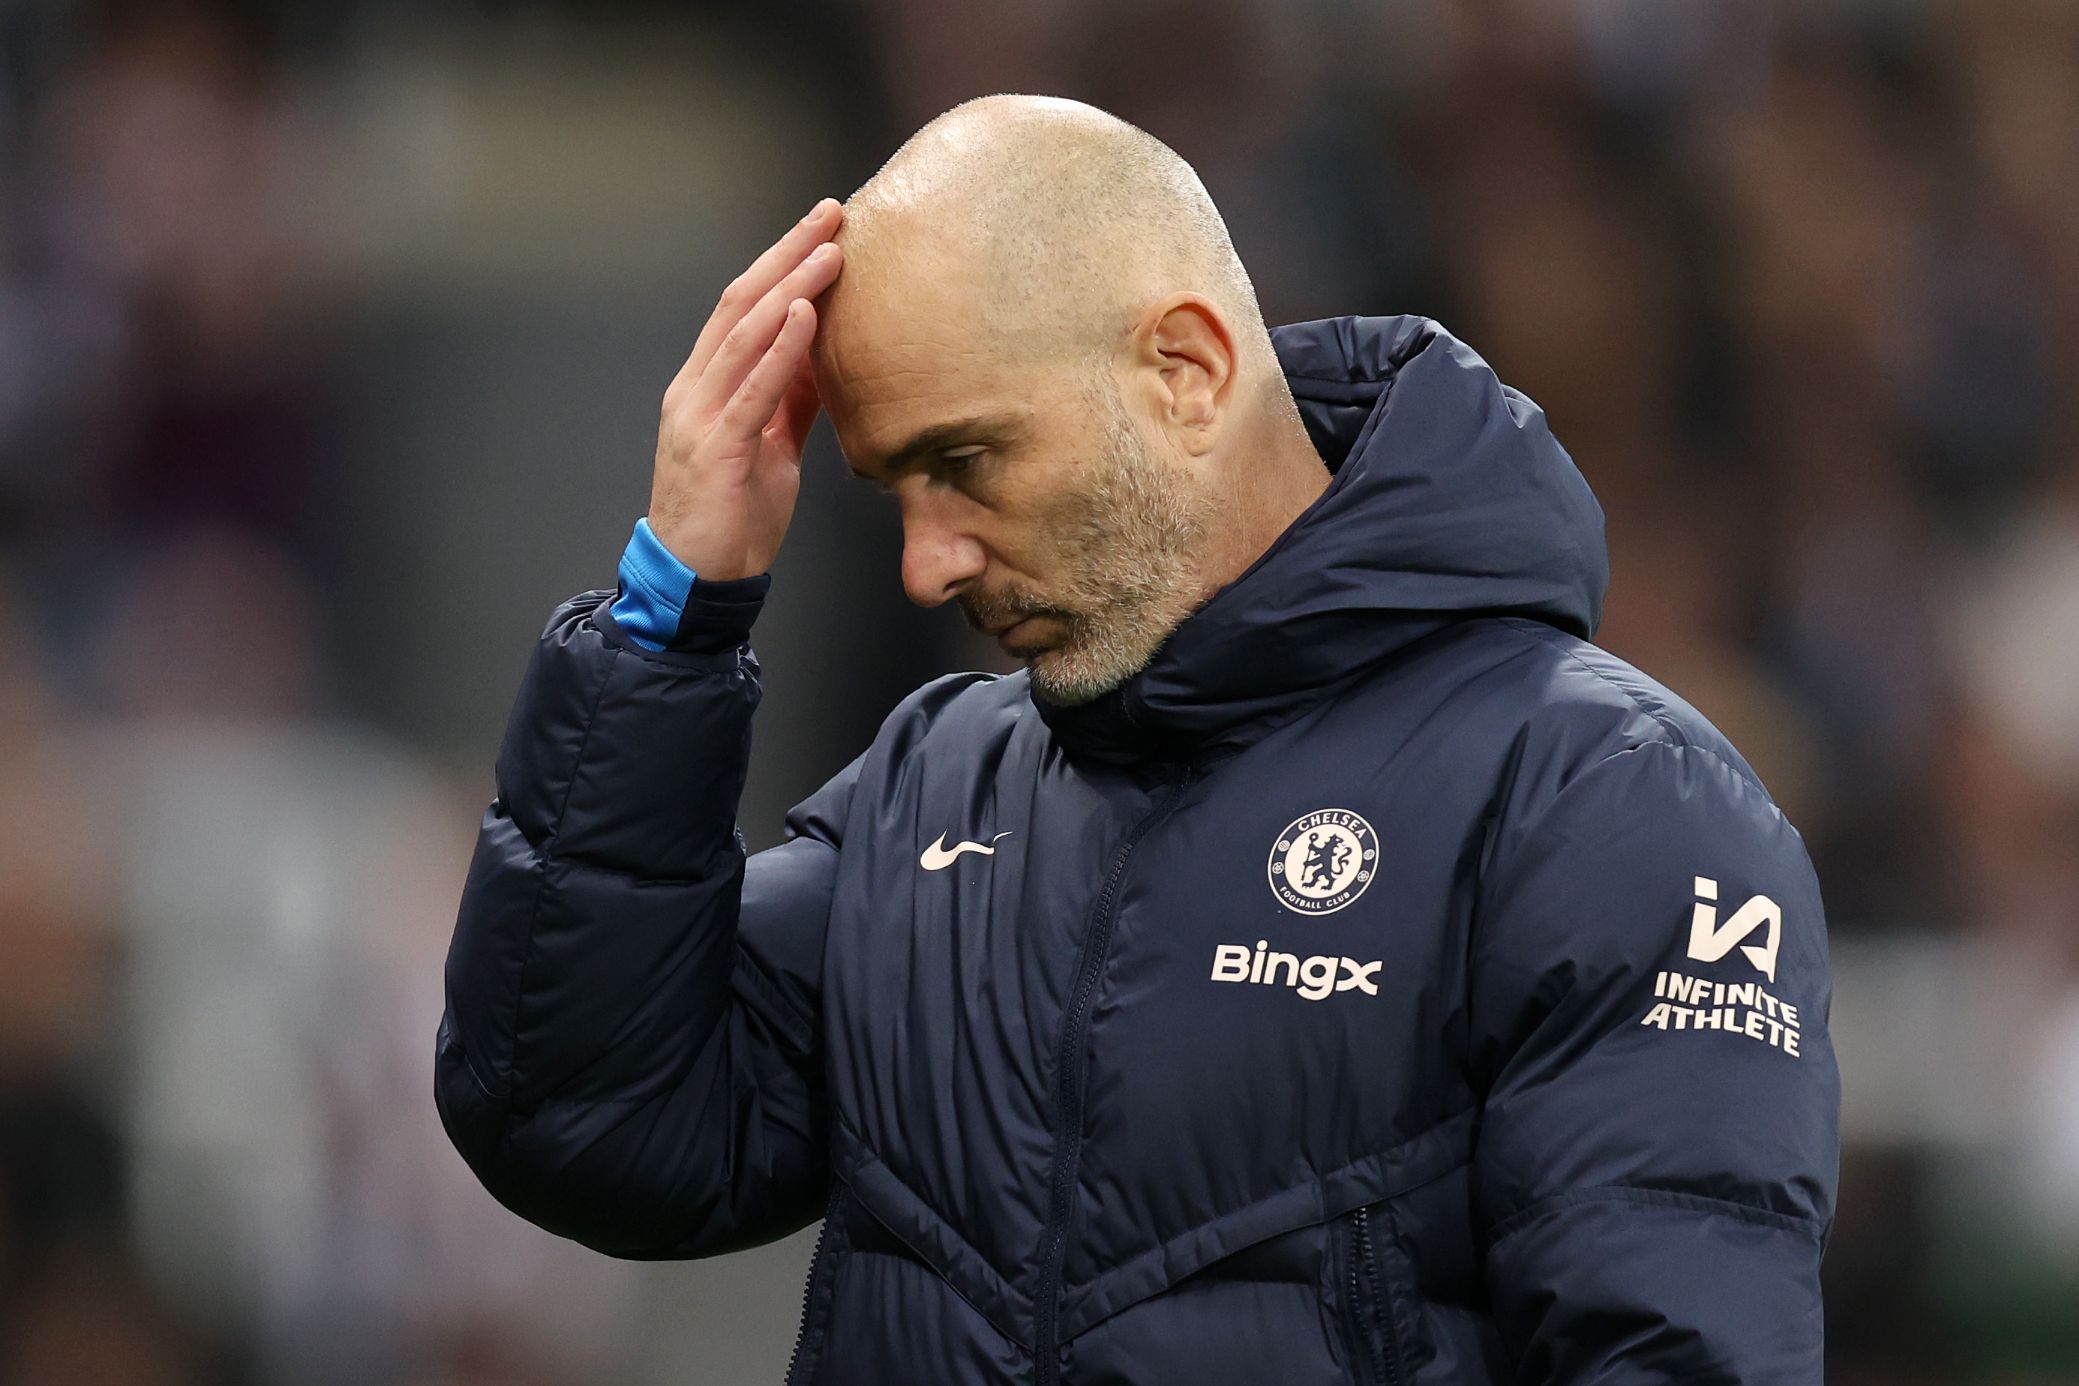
column 1449, row 498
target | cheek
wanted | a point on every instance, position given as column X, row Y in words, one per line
column 1044, row 548
column 1044, row 521
column 1061, row 563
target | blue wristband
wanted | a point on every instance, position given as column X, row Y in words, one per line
column 654, row 587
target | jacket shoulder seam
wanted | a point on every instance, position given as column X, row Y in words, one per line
column 1658, row 716
column 1646, row 1196
column 1673, row 737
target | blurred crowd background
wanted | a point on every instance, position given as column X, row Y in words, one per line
column 331, row 343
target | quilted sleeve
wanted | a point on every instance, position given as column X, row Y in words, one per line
column 1658, row 1150
column 629, row 1055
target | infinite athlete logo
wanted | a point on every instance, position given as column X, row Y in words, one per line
column 1686, row 1002
column 1323, row 860
column 1709, row 940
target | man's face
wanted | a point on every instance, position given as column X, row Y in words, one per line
column 1029, row 493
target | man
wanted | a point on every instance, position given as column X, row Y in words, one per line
column 1320, row 964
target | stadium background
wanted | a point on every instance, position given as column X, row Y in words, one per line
column 331, row 340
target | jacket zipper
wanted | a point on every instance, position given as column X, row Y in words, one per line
column 1368, row 1303
column 808, row 1293
column 1068, row 1097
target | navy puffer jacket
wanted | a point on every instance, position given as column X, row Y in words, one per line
column 1386, row 985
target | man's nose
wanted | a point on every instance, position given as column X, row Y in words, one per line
column 938, row 559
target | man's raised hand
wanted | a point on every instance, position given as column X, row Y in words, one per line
column 729, row 445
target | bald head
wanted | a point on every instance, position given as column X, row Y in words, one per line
column 1056, row 220
column 1042, row 344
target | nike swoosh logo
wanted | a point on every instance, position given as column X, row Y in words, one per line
column 938, row 856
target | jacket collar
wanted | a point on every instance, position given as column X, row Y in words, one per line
column 1449, row 498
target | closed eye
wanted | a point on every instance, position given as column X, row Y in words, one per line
column 955, row 463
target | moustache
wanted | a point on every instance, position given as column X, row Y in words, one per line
column 987, row 611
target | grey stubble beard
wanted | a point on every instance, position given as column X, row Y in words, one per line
column 1132, row 545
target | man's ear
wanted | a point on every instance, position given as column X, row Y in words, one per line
column 1185, row 341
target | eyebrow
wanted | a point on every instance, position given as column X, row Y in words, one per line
column 976, row 428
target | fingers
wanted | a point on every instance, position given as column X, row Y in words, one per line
column 744, row 344
column 774, row 375
column 789, row 427
column 754, row 284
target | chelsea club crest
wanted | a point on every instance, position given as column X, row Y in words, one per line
column 1323, row 860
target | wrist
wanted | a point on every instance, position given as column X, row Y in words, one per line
column 665, row 605
column 654, row 588
column 715, row 557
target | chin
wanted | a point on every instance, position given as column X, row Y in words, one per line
column 1072, row 686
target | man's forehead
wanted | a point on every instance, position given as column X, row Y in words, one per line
column 869, row 355
column 904, row 440
column 899, row 382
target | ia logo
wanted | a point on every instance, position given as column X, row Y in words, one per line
column 1322, row 861
column 1709, row 940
